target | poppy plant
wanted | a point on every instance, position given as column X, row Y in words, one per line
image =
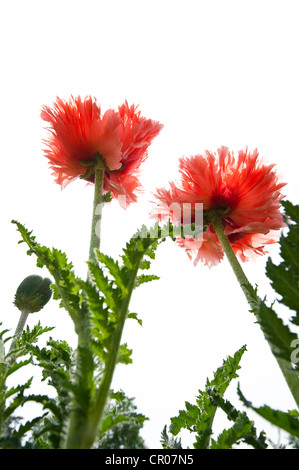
column 240, row 198
column 78, row 132
column 242, row 191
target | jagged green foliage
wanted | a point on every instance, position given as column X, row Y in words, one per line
column 198, row 418
column 285, row 281
column 281, row 336
column 115, row 282
column 169, row 442
column 121, row 424
column 12, row 398
column 243, row 429
column 288, row 421
column 56, row 361
column 98, row 307
column 47, row 430
column 285, row 276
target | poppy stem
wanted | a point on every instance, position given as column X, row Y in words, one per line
column 78, row 420
column 98, row 202
column 101, row 395
column 218, row 226
column 285, row 366
column 19, row 329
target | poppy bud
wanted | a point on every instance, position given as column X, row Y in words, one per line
column 33, row 294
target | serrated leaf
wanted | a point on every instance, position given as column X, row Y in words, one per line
column 231, row 436
column 112, row 420
column 18, row 400
column 285, row 283
column 3, row 332
column 143, row 278
column 31, row 335
column 244, row 428
column 286, row 421
column 291, row 210
column 227, row 372
column 112, row 294
column 276, row 332
column 169, row 442
column 199, row 418
column 115, row 270
column 16, row 366
column 124, row 354
column 24, row 428
column 285, row 276
column 135, row 316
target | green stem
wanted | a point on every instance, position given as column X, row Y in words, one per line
column 217, row 223
column 95, row 236
column 78, row 418
column 101, row 395
column 252, row 298
column 8, row 362
column 2, row 394
column 18, row 332
column 100, row 399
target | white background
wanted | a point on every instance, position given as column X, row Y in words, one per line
column 214, row 73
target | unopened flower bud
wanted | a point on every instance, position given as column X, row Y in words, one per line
column 33, row 294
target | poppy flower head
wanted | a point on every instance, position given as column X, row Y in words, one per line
column 242, row 188
column 78, row 131
column 136, row 133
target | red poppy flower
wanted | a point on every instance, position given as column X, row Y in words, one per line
column 245, row 190
column 78, row 131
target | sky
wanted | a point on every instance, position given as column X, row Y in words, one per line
column 214, row 73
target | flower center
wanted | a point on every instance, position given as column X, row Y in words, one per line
column 224, row 199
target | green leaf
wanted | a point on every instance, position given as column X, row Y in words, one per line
column 285, row 276
column 143, row 278
column 28, row 426
column 291, row 210
column 124, row 354
column 169, row 442
column 285, row 282
column 32, row 335
column 115, row 271
column 228, row 437
column 199, row 418
column 242, row 429
column 16, row 366
column 134, row 315
column 18, row 400
column 276, row 332
column 121, row 423
column 289, row 422
column 227, row 372
column 112, row 294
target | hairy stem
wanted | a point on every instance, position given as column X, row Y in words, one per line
column 78, row 418
column 18, row 332
column 100, row 399
column 95, row 236
column 290, row 376
column 2, row 393
column 9, row 361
